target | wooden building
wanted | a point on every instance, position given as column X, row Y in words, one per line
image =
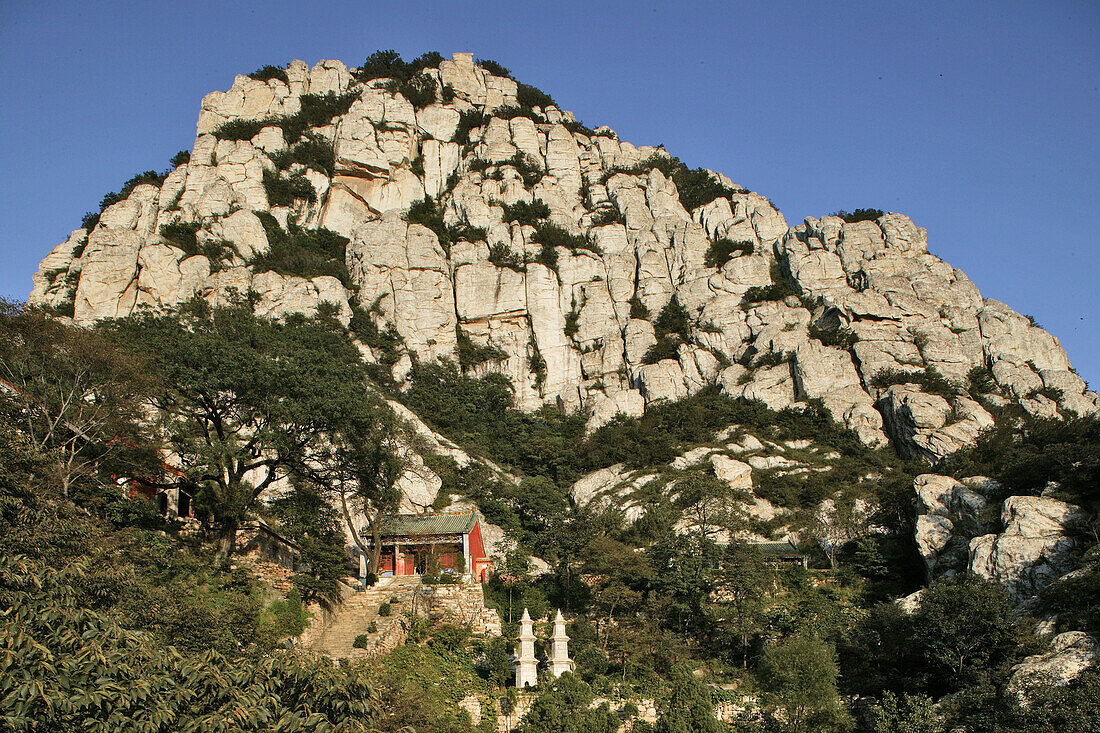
column 409, row 541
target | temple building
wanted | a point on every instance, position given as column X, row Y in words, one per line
column 409, row 541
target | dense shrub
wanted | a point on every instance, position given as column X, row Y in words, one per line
column 471, row 354
column 315, row 111
column 384, row 609
column 527, row 168
column 667, row 347
column 501, row 255
column 723, row 249
column 283, row 191
column 525, row 213
column 929, row 380
column 269, row 72
column 468, row 120
column 551, row 235
column 387, row 343
column 420, row 90
column 608, row 215
column 388, row 64
column 979, row 381
column 778, row 290
column 858, row 215
column 494, row 68
column 579, row 128
column 638, row 309
column 181, row 158
column 529, row 96
column 313, row 152
column 838, row 336
column 696, row 186
column 306, row 253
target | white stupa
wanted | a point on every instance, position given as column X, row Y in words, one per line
column 559, row 649
column 524, row 661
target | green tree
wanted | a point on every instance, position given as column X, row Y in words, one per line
column 76, row 396
column 965, row 628
column 245, row 400
column 799, row 678
column 687, row 706
column 905, row 714
column 742, row 585
column 563, row 707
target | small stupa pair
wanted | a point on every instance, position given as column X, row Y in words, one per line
column 525, row 662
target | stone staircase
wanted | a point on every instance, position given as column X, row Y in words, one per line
column 357, row 612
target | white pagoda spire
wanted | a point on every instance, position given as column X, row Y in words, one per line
column 524, row 661
column 559, row 649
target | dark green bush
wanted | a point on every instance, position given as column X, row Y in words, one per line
column 305, row 253
column 388, row 64
column 494, row 68
column 527, row 168
column 241, row 129
column 529, row 214
column 852, row 217
column 467, row 121
column 361, row 641
column 551, row 235
column 529, row 96
column 384, row 609
column 471, row 354
column 510, row 113
column 638, row 309
column 387, row 342
column 269, row 72
column 313, row 152
column 284, row 191
column 608, row 215
column 182, row 234
column 673, row 320
column 316, row 110
column 723, row 249
column 502, row 255
column 696, row 186
column 180, row 158
column 979, row 381
column 929, row 380
column 838, row 336
column 578, row 128
column 778, row 290
column 667, row 347
column 419, row 90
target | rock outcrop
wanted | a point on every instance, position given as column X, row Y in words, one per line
column 856, row 314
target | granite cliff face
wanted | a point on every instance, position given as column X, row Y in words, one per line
column 858, row 314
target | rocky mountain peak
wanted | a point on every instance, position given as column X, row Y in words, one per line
column 449, row 212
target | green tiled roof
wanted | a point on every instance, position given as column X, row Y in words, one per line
column 777, row 548
column 422, row 524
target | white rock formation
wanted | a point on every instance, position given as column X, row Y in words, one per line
column 572, row 334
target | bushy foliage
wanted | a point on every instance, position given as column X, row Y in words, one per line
column 838, row 336
column 285, row 190
column 385, row 342
column 723, row 249
column 929, row 380
column 527, row 168
column 153, row 178
column 305, row 253
column 529, row 96
column 269, row 72
column 852, row 217
column 181, row 158
column 564, row 707
column 502, row 255
column 75, row 668
column 778, row 290
column 468, row 121
column 608, row 215
column 315, row 110
column 493, row 68
column 471, row 354
column 312, row 152
column 525, row 213
column 696, row 186
column 549, row 234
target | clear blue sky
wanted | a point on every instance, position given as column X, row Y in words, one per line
column 979, row 120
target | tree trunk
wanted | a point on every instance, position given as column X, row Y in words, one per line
column 227, row 542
